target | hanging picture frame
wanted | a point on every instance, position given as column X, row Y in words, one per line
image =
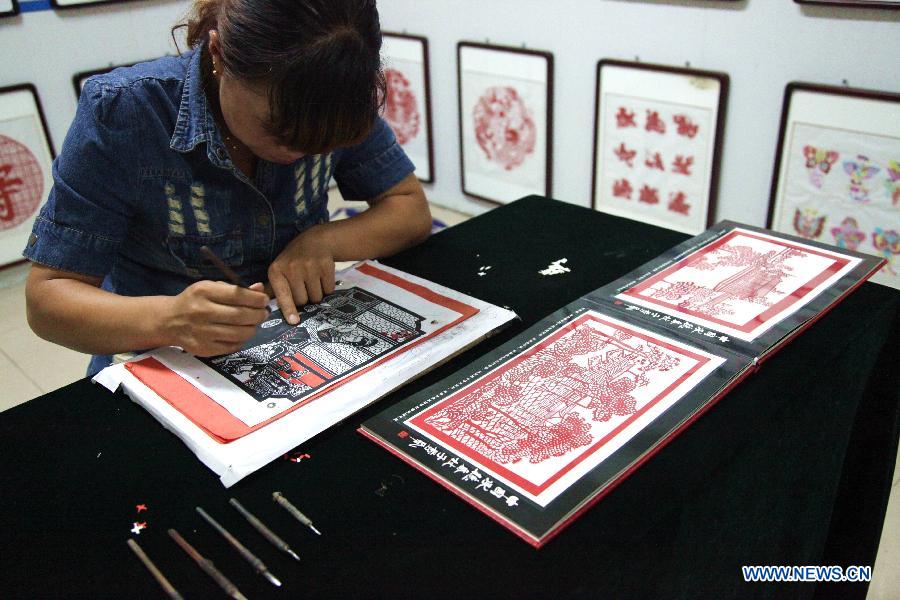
column 505, row 121
column 9, row 8
column 408, row 104
column 657, row 143
column 26, row 156
column 67, row 4
column 837, row 171
column 890, row 4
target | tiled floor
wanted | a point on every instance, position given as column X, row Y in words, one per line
column 30, row 367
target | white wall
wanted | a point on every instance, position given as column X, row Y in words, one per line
column 761, row 44
column 47, row 48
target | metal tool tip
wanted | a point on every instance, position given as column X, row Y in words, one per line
column 316, row 530
column 294, row 554
column 272, row 578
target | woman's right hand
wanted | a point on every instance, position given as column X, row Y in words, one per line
column 210, row 318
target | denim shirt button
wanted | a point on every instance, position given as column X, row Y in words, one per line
column 263, row 219
column 220, row 152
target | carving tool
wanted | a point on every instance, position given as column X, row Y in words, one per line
column 157, row 574
column 294, row 511
column 257, row 564
column 265, row 531
column 207, row 566
column 227, row 271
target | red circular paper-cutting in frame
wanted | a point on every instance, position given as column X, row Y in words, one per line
column 400, row 109
column 503, row 126
column 21, row 183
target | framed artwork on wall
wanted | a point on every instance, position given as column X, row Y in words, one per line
column 505, row 121
column 65, row 4
column 837, row 171
column 894, row 4
column 657, row 143
column 8, row 8
column 408, row 104
column 26, row 155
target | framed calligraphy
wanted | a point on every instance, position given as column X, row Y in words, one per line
column 26, row 155
column 505, row 121
column 837, row 171
column 657, row 143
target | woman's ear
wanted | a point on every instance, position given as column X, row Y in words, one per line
column 215, row 50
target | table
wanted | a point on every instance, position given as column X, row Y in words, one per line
column 792, row 467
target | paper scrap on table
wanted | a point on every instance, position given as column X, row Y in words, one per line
column 556, row 268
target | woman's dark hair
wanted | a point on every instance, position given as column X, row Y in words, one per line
column 319, row 61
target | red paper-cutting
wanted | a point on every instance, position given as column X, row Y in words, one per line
column 531, row 408
column 504, row 128
column 758, row 275
column 400, row 109
column 21, row 183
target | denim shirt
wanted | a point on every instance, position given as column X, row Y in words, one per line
column 144, row 181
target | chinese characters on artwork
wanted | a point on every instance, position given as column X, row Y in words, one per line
column 465, row 473
column 654, row 159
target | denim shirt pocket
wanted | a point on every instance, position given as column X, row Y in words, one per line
column 186, row 249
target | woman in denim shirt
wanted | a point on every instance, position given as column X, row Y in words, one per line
column 229, row 146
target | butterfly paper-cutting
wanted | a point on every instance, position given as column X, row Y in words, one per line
column 819, row 163
column 860, row 171
column 892, row 183
column 888, row 244
column 808, row 223
column 848, row 235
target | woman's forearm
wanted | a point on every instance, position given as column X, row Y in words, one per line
column 396, row 221
column 83, row 317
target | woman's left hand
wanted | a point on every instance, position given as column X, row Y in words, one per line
column 303, row 272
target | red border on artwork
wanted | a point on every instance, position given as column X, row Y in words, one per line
column 536, row 489
column 748, row 327
column 224, row 427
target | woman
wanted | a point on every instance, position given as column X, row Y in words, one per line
column 229, row 146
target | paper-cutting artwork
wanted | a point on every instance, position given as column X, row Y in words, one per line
column 838, row 170
column 400, row 110
column 416, row 324
column 887, row 244
column 138, row 527
column 21, row 182
column 505, row 103
column 25, row 163
column 504, row 127
column 656, row 145
column 407, row 108
column 742, row 284
column 348, row 330
column 373, row 316
column 537, row 430
column 541, row 420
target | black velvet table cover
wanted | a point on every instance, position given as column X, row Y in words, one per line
column 793, row 467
